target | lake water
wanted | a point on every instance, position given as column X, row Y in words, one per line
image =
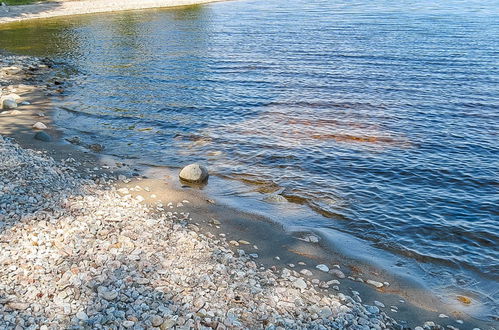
column 382, row 117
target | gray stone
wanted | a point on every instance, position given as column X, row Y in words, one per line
column 128, row 324
column 9, row 103
column 300, row 284
column 156, row 320
column 81, row 315
column 168, row 324
column 338, row 273
column 375, row 283
column 372, row 309
column 106, row 294
column 194, row 173
column 322, row 267
column 43, row 136
column 325, row 312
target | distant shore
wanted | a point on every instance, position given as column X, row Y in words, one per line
column 9, row 14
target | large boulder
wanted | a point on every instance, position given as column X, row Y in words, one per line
column 194, row 173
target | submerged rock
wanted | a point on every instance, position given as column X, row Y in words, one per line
column 375, row 283
column 96, row 147
column 42, row 136
column 338, row 273
column 74, row 140
column 194, row 173
column 322, row 267
column 275, row 199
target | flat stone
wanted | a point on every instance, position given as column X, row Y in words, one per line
column 300, row 284
column 108, row 295
column 306, row 272
column 322, row 267
column 128, row 324
column 18, row 305
column 372, row 309
column 375, row 283
column 325, row 312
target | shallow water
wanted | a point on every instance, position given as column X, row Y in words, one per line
column 382, row 117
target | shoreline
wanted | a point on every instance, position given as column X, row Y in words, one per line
column 233, row 224
column 18, row 13
column 101, row 256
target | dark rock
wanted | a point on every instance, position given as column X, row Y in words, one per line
column 43, row 136
column 74, row 140
column 96, row 147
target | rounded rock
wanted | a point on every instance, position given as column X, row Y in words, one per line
column 39, row 125
column 194, row 173
column 81, row 315
column 9, row 103
column 322, row 267
column 42, row 136
column 156, row 320
column 128, row 324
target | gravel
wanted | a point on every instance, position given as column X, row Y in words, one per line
column 75, row 253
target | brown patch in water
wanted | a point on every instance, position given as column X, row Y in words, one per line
column 353, row 138
column 355, row 270
column 303, row 254
column 463, row 299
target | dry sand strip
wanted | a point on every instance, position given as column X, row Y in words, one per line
column 66, row 8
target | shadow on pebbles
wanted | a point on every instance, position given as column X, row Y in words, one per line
column 74, row 253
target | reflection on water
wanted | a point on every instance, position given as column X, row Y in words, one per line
column 381, row 116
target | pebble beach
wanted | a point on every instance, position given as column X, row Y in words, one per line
column 76, row 254
column 49, row 9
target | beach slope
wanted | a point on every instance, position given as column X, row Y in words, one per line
column 10, row 14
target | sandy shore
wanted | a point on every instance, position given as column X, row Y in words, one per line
column 87, row 240
column 67, row 8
